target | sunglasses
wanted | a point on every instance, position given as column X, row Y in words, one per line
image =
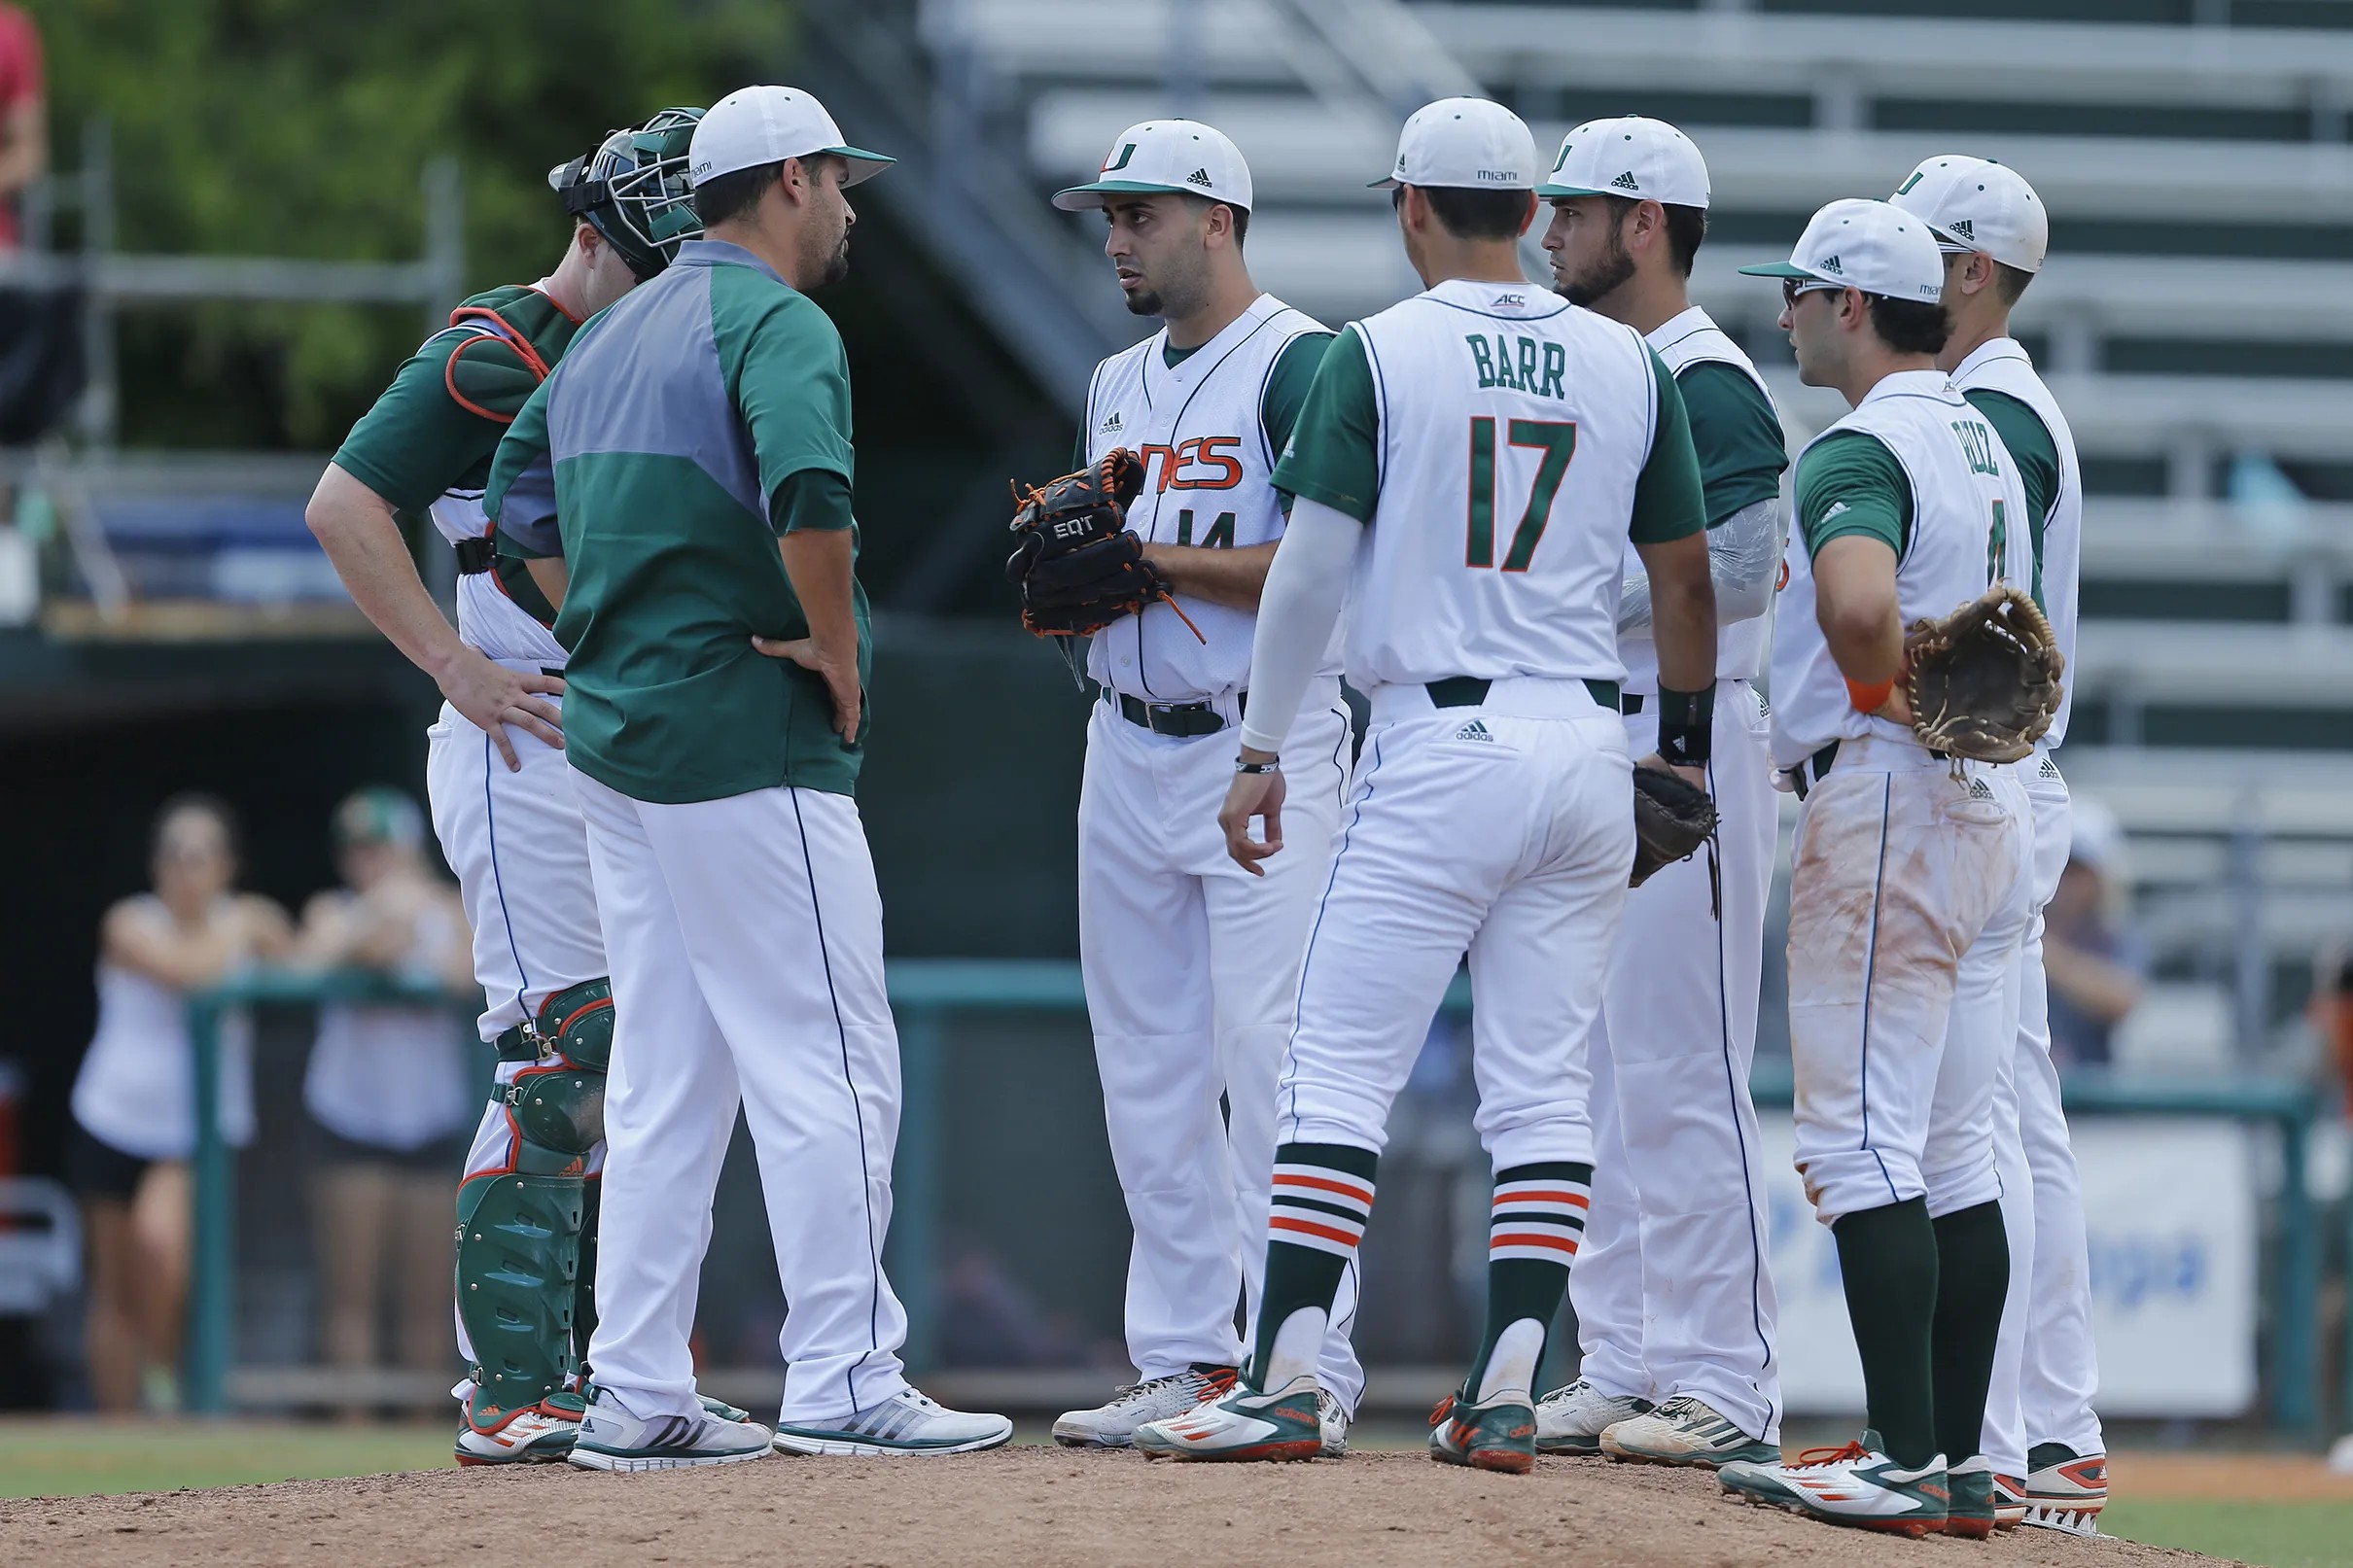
column 1791, row 287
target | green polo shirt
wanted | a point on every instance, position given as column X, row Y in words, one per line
column 700, row 417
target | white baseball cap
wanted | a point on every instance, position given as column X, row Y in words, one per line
column 1183, row 156
column 1641, row 160
column 1866, row 245
column 1468, row 144
column 1976, row 204
column 752, row 126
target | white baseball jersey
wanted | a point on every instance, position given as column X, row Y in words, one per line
column 1969, row 529
column 2003, row 366
column 1688, row 339
column 1513, row 426
column 1198, row 427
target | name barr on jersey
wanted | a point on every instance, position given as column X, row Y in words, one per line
column 1519, row 364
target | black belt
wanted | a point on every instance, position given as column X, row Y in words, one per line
column 475, row 556
column 1183, row 719
column 1817, row 765
column 1630, row 703
column 1470, row 690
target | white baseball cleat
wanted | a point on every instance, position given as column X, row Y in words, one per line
column 1286, row 1424
column 1686, row 1430
column 1332, row 1422
column 1572, row 1419
column 906, row 1423
column 534, row 1434
column 2065, row 1491
column 612, row 1439
column 1113, row 1423
column 1858, row 1485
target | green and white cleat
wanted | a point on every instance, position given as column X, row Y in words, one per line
column 1500, row 1434
column 1686, row 1430
column 1856, row 1485
column 1286, row 1424
column 612, row 1439
column 540, row 1434
column 907, row 1423
column 1332, row 1422
column 2065, row 1491
column 1970, row 1491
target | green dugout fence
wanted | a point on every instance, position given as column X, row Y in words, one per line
column 928, row 994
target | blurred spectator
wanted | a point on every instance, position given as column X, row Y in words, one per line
column 389, row 1087
column 2091, row 957
column 2330, row 1014
column 134, row 1101
column 23, row 117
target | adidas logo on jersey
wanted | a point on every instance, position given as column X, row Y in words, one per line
column 2050, row 768
column 1980, row 789
column 1837, row 508
column 1110, row 425
column 1198, row 177
column 1626, row 182
column 1475, row 730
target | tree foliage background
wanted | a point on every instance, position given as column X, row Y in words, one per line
column 303, row 127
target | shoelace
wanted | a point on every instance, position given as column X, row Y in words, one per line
column 1561, row 1396
column 1822, row 1458
column 1132, row 1393
column 1680, row 1405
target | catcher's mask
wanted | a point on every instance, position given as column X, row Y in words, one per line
column 633, row 187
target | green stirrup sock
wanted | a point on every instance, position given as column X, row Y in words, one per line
column 1889, row 1260
column 1972, row 1278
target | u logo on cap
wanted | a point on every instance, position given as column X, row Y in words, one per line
column 1121, row 162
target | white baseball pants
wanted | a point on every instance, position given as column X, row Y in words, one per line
column 2046, row 1367
column 1910, row 889
column 1191, row 967
column 1506, row 831
column 1672, row 1288
column 746, row 942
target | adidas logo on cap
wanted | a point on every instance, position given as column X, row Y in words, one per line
column 1830, row 263
column 1626, row 182
column 1963, row 230
column 1198, row 177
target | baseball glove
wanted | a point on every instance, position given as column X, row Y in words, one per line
column 1672, row 818
column 1077, row 563
column 1984, row 682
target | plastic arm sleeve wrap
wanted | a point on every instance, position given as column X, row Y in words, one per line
column 1297, row 610
column 1743, row 559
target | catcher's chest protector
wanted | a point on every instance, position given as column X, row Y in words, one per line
column 1198, row 428
column 1513, row 429
column 1968, row 526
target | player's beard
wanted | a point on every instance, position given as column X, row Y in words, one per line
column 1601, row 277
column 837, row 266
column 1180, row 296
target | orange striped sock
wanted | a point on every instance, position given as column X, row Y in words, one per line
column 1536, row 1226
column 1323, row 1193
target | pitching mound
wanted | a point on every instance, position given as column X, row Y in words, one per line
column 1020, row 1508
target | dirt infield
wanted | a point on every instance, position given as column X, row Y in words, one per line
column 1020, row 1508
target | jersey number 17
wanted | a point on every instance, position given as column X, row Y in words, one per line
column 1558, row 442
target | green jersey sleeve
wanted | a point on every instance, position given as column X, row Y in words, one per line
column 520, row 494
column 812, row 499
column 789, row 376
column 1848, row 483
column 1333, row 454
column 1669, row 502
column 418, row 441
column 1736, row 435
column 1287, row 383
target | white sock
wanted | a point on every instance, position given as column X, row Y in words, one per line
column 1298, row 1345
column 1513, row 1366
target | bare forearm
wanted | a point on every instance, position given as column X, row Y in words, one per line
column 1855, row 603
column 818, row 563
column 551, row 577
column 1223, row 576
column 2095, row 985
column 362, row 537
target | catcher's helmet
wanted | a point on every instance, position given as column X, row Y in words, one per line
column 633, row 187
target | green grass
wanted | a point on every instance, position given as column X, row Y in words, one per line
column 2276, row 1535
column 73, row 1458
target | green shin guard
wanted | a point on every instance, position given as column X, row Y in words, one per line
column 523, row 1281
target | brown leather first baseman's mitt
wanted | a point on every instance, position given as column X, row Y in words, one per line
column 1672, row 818
column 1078, row 565
column 1985, row 682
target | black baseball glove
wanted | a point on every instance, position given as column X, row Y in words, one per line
column 1077, row 563
column 1672, row 818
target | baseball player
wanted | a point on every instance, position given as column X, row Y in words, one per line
column 1467, row 471
column 690, row 461
column 501, row 800
column 1909, row 882
column 2049, row 1461
column 1673, row 1293
column 1192, row 964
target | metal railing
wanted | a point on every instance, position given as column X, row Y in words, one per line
column 926, row 993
